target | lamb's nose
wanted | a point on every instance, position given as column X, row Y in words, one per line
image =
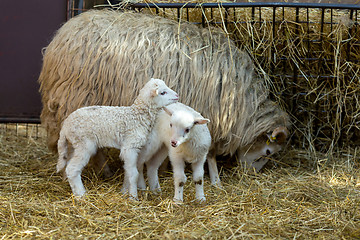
column 173, row 143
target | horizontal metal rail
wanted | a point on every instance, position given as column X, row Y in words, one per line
column 243, row 5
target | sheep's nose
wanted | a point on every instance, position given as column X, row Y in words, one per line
column 174, row 143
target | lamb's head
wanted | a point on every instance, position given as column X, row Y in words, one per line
column 181, row 125
column 158, row 94
column 264, row 146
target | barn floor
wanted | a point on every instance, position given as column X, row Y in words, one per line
column 293, row 199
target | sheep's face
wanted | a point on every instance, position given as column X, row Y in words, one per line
column 160, row 94
column 256, row 154
column 181, row 125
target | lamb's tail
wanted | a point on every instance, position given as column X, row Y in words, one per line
column 63, row 153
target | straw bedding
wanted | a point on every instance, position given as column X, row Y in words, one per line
column 291, row 200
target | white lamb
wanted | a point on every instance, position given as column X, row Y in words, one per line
column 182, row 134
column 126, row 128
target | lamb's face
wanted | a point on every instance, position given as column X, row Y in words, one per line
column 181, row 126
column 256, row 154
column 161, row 94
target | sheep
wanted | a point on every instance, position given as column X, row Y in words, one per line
column 180, row 133
column 124, row 128
column 254, row 155
column 95, row 57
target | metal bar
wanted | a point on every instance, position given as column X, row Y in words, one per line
column 247, row 4
column 226, row 17
column 178, row 14
column 203, row 19
column 295, row 78
column 273, row 50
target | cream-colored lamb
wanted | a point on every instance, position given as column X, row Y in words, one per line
column 180, row 133
column 126, row 128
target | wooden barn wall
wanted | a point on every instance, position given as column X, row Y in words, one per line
column 25, row 28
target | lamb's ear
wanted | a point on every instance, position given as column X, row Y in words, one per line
column 201, row 121
column 155, row 91
column 168, row 111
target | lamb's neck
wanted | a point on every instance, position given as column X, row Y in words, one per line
column 145, row 109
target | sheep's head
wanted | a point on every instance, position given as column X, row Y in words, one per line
column 181, row 125
column 158, row 93
column 255, row 155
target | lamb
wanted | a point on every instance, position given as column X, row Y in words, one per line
column 181, row 133
column 126, row 128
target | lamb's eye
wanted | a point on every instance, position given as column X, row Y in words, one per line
column 163, row 93
column 268, row 152
column 170, row 124
column 187, row 130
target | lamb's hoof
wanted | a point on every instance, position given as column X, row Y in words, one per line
column 79, row 197
column 124, row 190
column 201, row 200
column 141, row 187
column 133, row 198
column 79, row 193
column 156, row 191
column 178, row 201
column 217, row 184
column 127, row 195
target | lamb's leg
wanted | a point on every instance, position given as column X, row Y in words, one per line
column 125, row 186
column 178, row 166
column 153, row 168
column 198, row 178
column 144, row 156
column 141, row 180
column 213, row 170
column 76, row 164
column 131, row 173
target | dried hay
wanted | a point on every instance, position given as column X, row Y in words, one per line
column 291, row 200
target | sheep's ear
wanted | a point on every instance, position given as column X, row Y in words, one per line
column 280, row 134
column 168, row 111
column 201, row 121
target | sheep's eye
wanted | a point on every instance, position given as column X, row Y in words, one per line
column 170, row 124
column 163, row 93
column 268, row 152
column 187, row 130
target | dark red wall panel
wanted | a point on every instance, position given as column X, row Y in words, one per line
column 25, row 28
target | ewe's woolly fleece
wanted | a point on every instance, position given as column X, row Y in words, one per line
column 102, row 57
